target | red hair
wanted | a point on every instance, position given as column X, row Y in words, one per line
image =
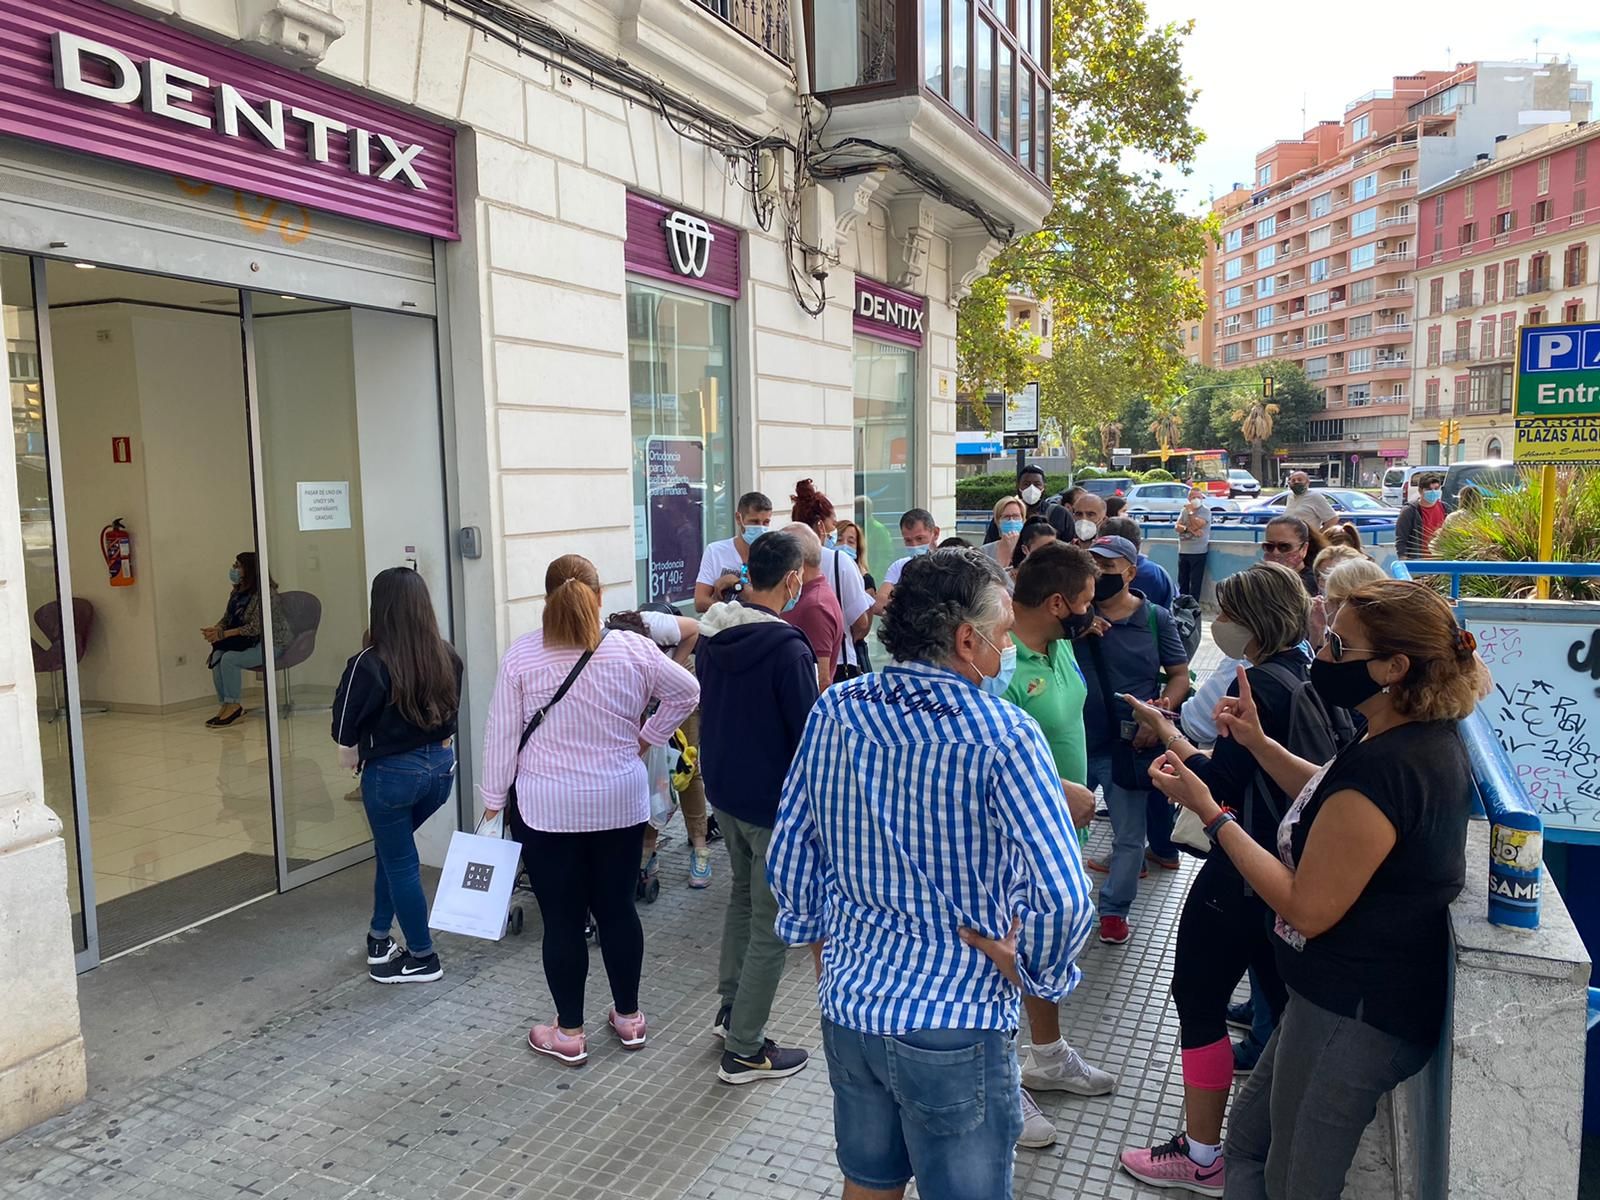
column 809, row 506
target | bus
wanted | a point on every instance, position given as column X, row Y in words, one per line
column 1202, row 468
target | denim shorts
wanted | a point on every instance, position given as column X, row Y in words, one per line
column 943, row 1106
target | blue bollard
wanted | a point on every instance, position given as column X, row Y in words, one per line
column 1516, row 863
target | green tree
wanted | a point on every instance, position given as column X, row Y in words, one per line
column 1116, row 259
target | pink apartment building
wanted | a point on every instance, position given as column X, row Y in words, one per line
column 1317, row 256
column 1510, row 241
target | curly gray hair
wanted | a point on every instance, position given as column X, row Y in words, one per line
column 936, row 595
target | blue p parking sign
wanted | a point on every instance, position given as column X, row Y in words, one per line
column 1558, row 394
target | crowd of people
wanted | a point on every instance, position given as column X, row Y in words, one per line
column 920, row 822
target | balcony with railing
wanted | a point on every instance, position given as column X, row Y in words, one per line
column 764, row 22
column 1462, row 300
column 1534, row 286
column 1457, row 354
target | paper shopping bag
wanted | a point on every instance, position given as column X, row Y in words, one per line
column 475, row 886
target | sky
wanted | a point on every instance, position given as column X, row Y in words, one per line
column 1256, row 66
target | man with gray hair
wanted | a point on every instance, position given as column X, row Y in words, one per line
column 925, row 850
column 817, row 613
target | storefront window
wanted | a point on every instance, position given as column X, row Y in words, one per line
column 680, row 383
column 885, row 462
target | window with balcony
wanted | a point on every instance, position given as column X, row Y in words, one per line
column 1358, row 327
column 1575, row 265
column 1435, row 296
column 1321, row 205
column 1233, row 268
column 1362, row 290
column 1230, row 325
column 1318, row 271
column 1364, row 188
column 1230, row 352
column 1363, row 257
column 1232, row 297
column 1264, row 346
column 1265, row 315
column 1430, row 403
column 1266, row 257
column 1317, row 333
column 1509, row 274
column 1358, row 362
column 1489, row 390
column 1266, row 286
column 1434, row 336
column 1232, row 240
column 1508, row 334
column 1364, row 222
column 1463, row 338
column 1572, row 311
column 1317, row 302
column 1491, row 283
column 1487, row 328
column 1467, row 234
column 1267, row 227
column 1504, row 224
column 989, row 63
column 1320, row 238
column 1535, row 316
column 1317, row 368
column 1538, row 274
column 1539, row 212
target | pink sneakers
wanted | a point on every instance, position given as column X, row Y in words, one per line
column 572, row 1049
column 1170, row 1166
column 629, row 1030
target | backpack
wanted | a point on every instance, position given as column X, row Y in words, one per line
column 1186, row 616
column 1314, row 732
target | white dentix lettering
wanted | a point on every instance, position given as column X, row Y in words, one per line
column 317, row 127
column 400, row 161
column 164, row 84
column 864, row 304
column 361, row 151
column 231, row 105
column 68, row 51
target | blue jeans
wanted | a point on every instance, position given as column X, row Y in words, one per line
column 943, row 1106
column 400, row 792
column 228, row 675
column 1129, row 809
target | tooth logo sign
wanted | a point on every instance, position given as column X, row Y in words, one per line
column 689, row 240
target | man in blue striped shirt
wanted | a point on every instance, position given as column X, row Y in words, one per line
column 923, row 840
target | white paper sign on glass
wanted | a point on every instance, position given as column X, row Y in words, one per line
column 324, row 505
column 1022, row 410
column 475, row 886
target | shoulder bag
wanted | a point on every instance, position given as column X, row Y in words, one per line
column 513, row 816
column 844, row 669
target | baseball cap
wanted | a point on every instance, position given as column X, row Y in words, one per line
column 1115, row 547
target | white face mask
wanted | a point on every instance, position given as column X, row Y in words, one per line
column 1031, row 494
column 1086, row 530
column 1230, row 637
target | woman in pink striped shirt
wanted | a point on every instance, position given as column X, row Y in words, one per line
column 582, row 791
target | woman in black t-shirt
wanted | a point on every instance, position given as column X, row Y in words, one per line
column 1369, row 857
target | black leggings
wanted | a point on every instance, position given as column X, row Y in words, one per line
column 575, row 874
column 1222, row 931
column 1192, row 573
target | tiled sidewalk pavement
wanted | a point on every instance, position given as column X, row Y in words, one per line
column 430, row 1093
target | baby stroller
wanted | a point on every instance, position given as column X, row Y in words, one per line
column 672, row 768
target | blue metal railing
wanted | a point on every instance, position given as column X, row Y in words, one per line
column 1516, row 853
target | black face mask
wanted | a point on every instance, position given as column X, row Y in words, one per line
column 1107, row 587
column 1344, row 684
column 1075, row 625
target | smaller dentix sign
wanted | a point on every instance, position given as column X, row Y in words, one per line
column 689, row 241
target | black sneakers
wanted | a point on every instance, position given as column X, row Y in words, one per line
column 770, row 1062
column 382, row 950
column 719, row 1027
column 407, row 969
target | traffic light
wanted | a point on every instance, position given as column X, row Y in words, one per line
column 1444, row 433
column 1266, row 387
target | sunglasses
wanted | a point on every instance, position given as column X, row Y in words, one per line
column 1337, row 647
column 1280, row 547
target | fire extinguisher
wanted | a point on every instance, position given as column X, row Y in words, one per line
column 116, row 545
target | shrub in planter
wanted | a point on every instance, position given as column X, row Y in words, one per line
column 1505, row 528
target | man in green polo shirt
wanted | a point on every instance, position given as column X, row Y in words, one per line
column 1054, row 583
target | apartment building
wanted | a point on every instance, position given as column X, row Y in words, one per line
column 1195, row 341
column 1317, row 255
column 979, row 430
column 1510, row 241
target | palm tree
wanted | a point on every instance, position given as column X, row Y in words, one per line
column 1255, row 426
column 1166, row 426
column 1110, row 432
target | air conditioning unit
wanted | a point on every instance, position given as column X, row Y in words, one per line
column 1383, row 244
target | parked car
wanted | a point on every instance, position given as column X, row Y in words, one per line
column 1356, row 507
column 1395, row 481
column 1111, row 485
column 1242, row 483
column 1489, row 475
column 1167, row 500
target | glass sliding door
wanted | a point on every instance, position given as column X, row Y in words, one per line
column 347, row 409
column 52, row 645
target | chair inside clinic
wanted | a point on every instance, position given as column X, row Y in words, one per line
column 304, row 613
column 51, row 658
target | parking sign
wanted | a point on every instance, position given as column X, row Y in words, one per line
column 1558, row 394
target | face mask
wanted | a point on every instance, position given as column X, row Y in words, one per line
column 1010, row 528
column 997, row 683
column 849, row 552
column 1075, row 625
column 833, row 540
column 1299, row 489
column 791, row 602
column 1344, row 684
column 1108, row 586
column 235, row 575
column 1087, row 531
column 1031, row 494
column 917, row 551
column 1432, row 496
column 1230, row 638
column 752, row 532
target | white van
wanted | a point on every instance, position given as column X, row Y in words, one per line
column 1394, row 484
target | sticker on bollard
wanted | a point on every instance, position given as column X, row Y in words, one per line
column 1516, row 860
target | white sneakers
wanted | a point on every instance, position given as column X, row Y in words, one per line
column 1038, row 1130
column 1065, row 1071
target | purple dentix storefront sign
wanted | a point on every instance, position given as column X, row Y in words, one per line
column 889, row 314
column 93, row 79
column 682, row 247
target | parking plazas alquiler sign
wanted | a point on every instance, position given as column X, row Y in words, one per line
column 1558, row 394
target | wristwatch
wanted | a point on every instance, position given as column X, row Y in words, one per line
column 1221, row 819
